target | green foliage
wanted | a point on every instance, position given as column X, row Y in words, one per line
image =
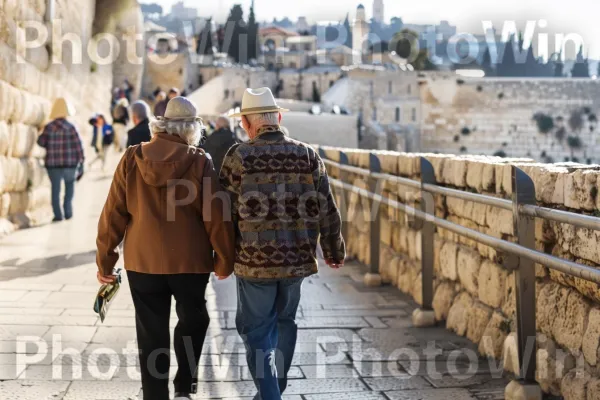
column 560, row 133
column 574, row 142
column 545, row 123
column 500, row 153
column 93, row 67
column 576, row 120
column 465, row 131
column 456, row 138
column 500, row 96
column 463, row 149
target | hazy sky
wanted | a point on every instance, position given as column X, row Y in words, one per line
column 574, row 16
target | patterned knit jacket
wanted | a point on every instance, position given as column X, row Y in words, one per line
column 282, row 206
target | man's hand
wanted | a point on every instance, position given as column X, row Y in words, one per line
column 105, row 279
column 333, row 264
column 221, row 277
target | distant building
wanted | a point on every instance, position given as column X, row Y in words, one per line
column 180, row 11
column 287, row 49
column 302, row 25
column 360, row 31
column 378, row 11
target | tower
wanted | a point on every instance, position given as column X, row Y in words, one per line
column 360, row 31
column 378, row 11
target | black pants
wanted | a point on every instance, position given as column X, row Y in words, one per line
column 152, row 300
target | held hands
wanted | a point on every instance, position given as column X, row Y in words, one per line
column 333, row 264
column 222, row 277
column 105, row 279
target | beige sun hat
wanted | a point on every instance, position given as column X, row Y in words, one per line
column 61, row 109
column 258, row 101
column 180, row 109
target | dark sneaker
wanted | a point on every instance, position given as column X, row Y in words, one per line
column 182, row 396
column 56, row 219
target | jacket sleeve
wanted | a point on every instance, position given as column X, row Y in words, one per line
column 216, row 214
column 42, row 140
column 113, row 220
column 231, row 179
column 78, row 144
column 330, row 220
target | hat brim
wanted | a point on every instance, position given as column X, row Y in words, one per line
column 262, row 110
column 180, row 119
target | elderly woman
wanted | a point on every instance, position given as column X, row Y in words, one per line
column 163, row 203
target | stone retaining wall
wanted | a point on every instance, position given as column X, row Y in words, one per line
column 474, row 292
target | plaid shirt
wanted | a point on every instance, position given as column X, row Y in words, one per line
column 63, row 145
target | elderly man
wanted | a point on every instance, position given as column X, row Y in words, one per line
column 172, row 242
column 219, row 142
column 140, row 113
column 282, row 207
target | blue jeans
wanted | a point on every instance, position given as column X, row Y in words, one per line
column 57, row 175
column 265, row 320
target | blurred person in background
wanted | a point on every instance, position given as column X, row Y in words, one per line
column 160, row 103
column 140, row 115
column 160, row 107
column 102, row 138
column 64, row 154
column 170, row 246
column 219, row 142
column 120, row 121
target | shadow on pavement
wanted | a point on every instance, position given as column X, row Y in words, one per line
column 43, row 266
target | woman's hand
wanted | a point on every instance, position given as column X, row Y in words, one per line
column 333, row 264
column 105, row 279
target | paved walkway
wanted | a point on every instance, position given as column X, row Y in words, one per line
column 355, row 342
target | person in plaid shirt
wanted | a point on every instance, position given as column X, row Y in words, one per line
column 64, row 153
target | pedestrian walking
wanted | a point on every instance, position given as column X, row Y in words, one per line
column 219, row 142
column 102, row 138
column 64, row 156
column 140, row 113
column 120, row 121
column 173, row 242
column 282, row 208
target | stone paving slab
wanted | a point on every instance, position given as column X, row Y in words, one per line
column 354, row 342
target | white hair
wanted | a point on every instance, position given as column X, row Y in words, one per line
column 191, row 132
column 270, row 118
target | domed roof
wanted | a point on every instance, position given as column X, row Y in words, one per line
column 360, row 6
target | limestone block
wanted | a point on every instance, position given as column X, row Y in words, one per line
column 423, row 318
column 458, row 316
column 29, row 200
column 437, row 161
column 491, row 283
column 400, row 239
column 593, row 389
column 417, row 289
column 442, row 300
column 407, row 273
column 478, row 214
column 394, row 268
column 494, row 335
column 475, row 174
column 7, row 98
column 22, row 139
column 4, row 138
column 591, row 339
column 584, row 244
column 4, row 204
column 517, row 390
column 479, row 317
column 543, row 231
column 549, row 183
column 389, row 162
column 36, row 173
column 581, row 189
column 509, row 302
column 467, row 266
column 15, row 174
column 499, row 220
column 460, row 208
column 569, row 324
column 574, row 385
column 386, row 231
column 550, row 296
column 552, row 364
column 467, row 223
column 385, row 259
column 510, row 354
column 448, row 257
column 503, row 179
column 455, row 172
column 408, row 164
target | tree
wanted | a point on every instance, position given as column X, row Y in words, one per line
column 253, row 43
column 234, row 29
column 559, row 67
column 581, row 69
column 348, row 31
column 316, row 96
column 205, row 40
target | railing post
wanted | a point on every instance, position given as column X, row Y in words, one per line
column 373, row 278
column 344, row 196
column 425, row 316
column 526, row 387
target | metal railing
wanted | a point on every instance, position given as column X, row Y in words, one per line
column 524, row 211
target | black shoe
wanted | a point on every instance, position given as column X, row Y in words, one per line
column 69, row 217
column 182, row 396
column 56, row 219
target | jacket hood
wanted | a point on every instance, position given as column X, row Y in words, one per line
column 172, row 163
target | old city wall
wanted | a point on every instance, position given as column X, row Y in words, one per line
column 549, row 120
column 28, row 88
column 474, row 292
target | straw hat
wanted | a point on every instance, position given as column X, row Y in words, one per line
column 258, row 101
column 180, row 109
column 61, row 109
